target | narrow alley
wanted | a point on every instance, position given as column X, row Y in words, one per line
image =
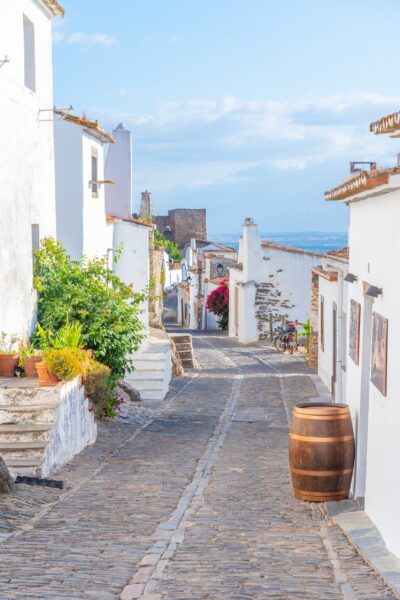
column 194, row 503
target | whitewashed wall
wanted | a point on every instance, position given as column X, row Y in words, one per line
column 290, row 273
column 374, row 254
column 133, row 265
column 69, row 185
column 334, row 293
column 27, row 194
column 81, row 217
column 118, row 168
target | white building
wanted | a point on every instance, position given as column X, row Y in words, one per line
column 373, row 344
column 269, row 283
column 80, row 185
column 27, row 197
column 329, row 317
column 204, row 261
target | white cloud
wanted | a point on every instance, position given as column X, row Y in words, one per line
column 208, row 142
column 85, row 39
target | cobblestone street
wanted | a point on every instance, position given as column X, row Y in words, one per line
column 194, row 504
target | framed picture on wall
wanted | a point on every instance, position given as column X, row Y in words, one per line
column 354, row 332
column 379, row 352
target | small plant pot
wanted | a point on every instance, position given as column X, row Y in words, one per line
column 8, row 364
column 30, row 363
column 45, row 377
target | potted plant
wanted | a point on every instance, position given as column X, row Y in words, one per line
column 8, row 355
column 62, row 354
column 28, row 357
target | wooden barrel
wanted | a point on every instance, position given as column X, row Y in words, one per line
column 321, row 451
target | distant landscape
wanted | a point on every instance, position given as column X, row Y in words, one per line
column 314, row 241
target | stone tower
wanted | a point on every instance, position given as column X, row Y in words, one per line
column 146, row 207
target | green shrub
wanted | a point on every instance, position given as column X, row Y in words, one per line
column 68, row 336
column 89, row 293
column 100, row 388
column 170, row 247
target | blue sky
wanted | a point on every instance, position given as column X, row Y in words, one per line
column 243, row 107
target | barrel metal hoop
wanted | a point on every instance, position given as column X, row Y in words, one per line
column 321, row 473
column 316, row 417
column 320, row 494
column 322, row 440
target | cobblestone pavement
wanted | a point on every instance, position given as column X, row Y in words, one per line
column 194, row 504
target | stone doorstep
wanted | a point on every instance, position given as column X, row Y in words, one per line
column 365, row 536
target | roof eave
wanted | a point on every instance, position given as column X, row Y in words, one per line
column 54, row 7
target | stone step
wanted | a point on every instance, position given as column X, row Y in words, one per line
column 28, row 396
column 22, row 450
column 188, row 364
column 143, row 364
column 184, row 348
column 24, row 466
column 161, row 346
column 181, row 337
column 146, row 384
column 148, row 356
column 24, row 432
column 140, row 374
column 186, row 354
column 28, row 413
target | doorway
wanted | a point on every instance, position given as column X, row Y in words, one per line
column 361, row 425
column 334, row 350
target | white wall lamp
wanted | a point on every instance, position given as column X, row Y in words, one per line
column 188, row 279
column 350, row 278
column 373, row 291
column 220, row 269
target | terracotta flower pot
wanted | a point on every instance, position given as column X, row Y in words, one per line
column 8, row 364
column 30, row 365
column 45, row 377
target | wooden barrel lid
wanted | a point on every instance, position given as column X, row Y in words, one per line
column 320, row 409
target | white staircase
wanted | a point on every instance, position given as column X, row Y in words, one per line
column 152, row 364
column 42, row 428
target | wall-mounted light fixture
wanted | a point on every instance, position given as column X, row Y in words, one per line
column 220, row 269
column 350, row 278
column 373, row 291
column 188, row 280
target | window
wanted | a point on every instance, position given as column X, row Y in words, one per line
column 94, row 178
column 29, row 54
column 35, row 238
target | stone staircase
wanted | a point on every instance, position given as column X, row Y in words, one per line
column 152, row 363
column 42, row 428
column 184, row 346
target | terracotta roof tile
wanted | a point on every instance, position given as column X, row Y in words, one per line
column 114, row 219
column 291, row 249
column 55, row 8
column 361, row 182
column 388, row 124
column 341, row 254
column 329, row 275
column 91, row 127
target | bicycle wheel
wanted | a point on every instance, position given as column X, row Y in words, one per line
column 279, row 343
